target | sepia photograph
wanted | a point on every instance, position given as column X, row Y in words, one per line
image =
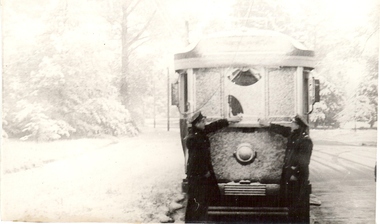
column 189, row 111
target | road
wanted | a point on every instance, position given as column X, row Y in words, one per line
column 342, row 177
column 128, row 181
column 132, row 181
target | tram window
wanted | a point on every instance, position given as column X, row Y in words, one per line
column 217, row 95
column 281, row 89
column 235, row 106
column 208, row 91
column 244, row 77
column 244, row 88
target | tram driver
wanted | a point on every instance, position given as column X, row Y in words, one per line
column 203, row 186
column 295, row 175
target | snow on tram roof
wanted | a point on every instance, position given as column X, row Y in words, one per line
column 251, row 48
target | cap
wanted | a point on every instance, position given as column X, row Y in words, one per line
column 301, row 120
column 195, row 118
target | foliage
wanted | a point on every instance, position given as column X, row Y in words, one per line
column 361, row 101
column 102, row 115
column 67, row 77
column 31, row 121
column 318, row 115
column 368, row 89
column 358, row 109
column 331, row 103
column 363, row 104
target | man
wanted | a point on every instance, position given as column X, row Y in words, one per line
column 295, row 175
column 200, row 174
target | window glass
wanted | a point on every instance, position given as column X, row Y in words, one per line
column 245, row 91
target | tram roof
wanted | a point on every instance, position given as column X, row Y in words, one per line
column 253, row 48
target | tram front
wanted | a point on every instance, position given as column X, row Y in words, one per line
column 261, row 75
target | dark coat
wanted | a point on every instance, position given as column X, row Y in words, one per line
column 295, row 174
column 298, row 149
column 201, row 189
column 198, row 144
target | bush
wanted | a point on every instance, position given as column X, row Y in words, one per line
column 30, row 121
column 104, row 116
column 43, row 122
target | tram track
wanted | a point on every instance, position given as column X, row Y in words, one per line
column 342, row 158
column 337, row 162
column 343, row 180
column 363, row 154
column 340, row 169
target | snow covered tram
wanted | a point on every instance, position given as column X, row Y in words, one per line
column 261, row 75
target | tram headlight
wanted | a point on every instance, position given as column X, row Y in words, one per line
column 245, row 153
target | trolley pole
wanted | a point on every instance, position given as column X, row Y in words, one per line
column 168, row 107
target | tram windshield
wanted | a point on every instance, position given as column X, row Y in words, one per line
column 253, row 92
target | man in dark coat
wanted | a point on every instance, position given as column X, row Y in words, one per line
column 295, row 175
column 200, row 173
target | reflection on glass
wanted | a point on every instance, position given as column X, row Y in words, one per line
column 235, row 105
column 244, row 77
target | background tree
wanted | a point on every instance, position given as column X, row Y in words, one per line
column 68, row 86
column 368, row 91
column 330, row 105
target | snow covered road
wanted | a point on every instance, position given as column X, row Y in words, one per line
column 132, row 181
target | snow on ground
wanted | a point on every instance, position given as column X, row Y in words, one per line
column 106, row 180
column 24, row 155
column 134, row 180
column 345, row 136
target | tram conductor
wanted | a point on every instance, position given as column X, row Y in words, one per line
column 295, row 174
column 200, row 174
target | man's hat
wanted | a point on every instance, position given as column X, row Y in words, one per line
column 301, row 120
column 195, row 118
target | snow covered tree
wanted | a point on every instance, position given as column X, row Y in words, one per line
column 330, row 105
column 63, row 82
column 368, row 90
column 358, row 108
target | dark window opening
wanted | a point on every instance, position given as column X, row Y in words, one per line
column 245, row 77
column 235, row 105
column 185, row 91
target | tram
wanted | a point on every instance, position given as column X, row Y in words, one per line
column 257, row 74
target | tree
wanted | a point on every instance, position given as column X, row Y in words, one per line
column 133, row 35
column 330, row 105
column 358, row 108
column 368, row 90
column 67, row 86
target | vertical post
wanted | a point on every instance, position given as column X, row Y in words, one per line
column 154, row 103
column 299, row 91
column 168, row 86
column 191, row 100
